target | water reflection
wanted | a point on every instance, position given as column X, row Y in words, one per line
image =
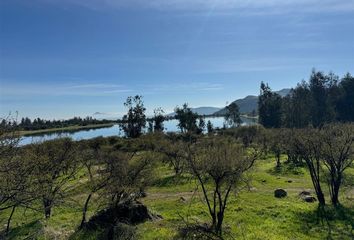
column 170, row 126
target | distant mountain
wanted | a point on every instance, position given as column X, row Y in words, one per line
column 201, row 111
column 250, row 103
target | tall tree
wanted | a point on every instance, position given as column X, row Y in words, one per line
column 134, row 121
column 297, row 107
column 159, row 118
column 269, row 107
column 232, row 116
column 187, row 119
column 322, row 110
column 345, row 103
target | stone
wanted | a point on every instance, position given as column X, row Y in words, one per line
column 130, row 212
column 263, row 181
column 280, row 193
column 304, row 193
column 309, row 199
column 182, row 199
column 290, row 181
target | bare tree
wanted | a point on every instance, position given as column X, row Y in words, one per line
column 337, row 152
column 91, row 156
column 223, row 161
column 127, row 174
column 175, row 152
column 14, row 171
column 55, row 165
column 308, row 144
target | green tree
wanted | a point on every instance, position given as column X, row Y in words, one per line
column 269, row 107
column 232, row 116
column 187, row 119
column 322, row 109
column 210, row 127
column 297, row 107
column 159, row 118
column 345, row 104
column 134, row 121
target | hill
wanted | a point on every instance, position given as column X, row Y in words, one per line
column 250, row 103
column 201, row 111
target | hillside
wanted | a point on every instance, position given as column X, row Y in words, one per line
column 202, row 111
column 250, row 103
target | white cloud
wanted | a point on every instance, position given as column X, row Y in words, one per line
column 255, row 6
column 99, row 89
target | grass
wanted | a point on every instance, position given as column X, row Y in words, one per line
column 64, row 129
column 255, row 214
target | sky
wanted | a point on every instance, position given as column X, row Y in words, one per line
column 65, row 58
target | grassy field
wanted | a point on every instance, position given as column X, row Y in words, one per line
column 252, row 214
column 64, row 129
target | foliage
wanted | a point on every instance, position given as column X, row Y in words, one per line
column 134, row 121
column 232, row 116
column 269, row 107
column 188, row 120
column 323, row 99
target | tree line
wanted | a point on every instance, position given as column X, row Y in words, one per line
column 325, row 98
column 26, row 124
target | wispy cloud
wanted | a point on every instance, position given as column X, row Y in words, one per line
column 99, row 89
column 260, row 6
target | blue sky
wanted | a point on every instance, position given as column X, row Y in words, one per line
column 65, row 58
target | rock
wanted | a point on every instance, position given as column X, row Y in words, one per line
column 263, row 181
column 182, row 199
column 280, row 193
column 290, row 181
column 130, row 212
column 309, row 199
column 304, row 193
column 253, row 189
column 306, row 196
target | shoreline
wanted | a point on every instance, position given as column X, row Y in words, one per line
column 70, row 128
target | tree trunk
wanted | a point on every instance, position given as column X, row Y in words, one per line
column 321, row 198
column 218, row 228
column 278, row 160
column 84, row 211
column 335, row 193
column 47, row 203
column 9, row 219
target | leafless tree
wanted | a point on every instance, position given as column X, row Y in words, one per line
column 55, row 166
column 338, row 154
column 224, row 162
column 309, row 144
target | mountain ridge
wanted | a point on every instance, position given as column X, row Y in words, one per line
column 249, row 103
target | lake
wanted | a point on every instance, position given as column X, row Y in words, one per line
column 170, row 126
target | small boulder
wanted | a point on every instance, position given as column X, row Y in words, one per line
column 264, row 181
column 280, row 193
column 182, row 199
column 290, row 181
column 309, row 199
column 304, row 193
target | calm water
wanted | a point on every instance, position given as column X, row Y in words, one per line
column 170, row 126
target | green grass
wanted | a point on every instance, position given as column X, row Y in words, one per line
column 255, row 214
